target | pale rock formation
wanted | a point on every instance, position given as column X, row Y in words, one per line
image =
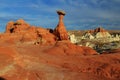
column 87, row 36
column 72, row 38
column 91, row 45
column 96, row 34
column 102, row 35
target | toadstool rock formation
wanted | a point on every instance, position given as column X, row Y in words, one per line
column 60, row 30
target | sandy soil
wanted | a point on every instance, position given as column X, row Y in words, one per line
column 32, row 62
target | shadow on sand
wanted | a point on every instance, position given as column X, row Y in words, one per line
column 1, row 78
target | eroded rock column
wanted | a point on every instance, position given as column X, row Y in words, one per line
column 60, row 30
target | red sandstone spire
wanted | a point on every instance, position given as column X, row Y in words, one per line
column 60, row 30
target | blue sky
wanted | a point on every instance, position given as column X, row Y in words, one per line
column 80, row 14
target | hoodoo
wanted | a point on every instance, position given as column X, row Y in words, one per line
column 60, row 30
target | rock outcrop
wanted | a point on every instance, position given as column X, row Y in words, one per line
column 96, row 33
column 88, row 36
column 99, row 29
column 20, row 31
column 9, row 27
column 14, row 27
column 102, row 35
column 72, row 38
column 67, row 48
column 60, row 30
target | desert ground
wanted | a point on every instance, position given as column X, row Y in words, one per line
column 35, row 62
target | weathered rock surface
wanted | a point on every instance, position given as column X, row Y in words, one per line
column 60, row 30
column 99, row 29
column 33, row 63
column 99, row 33
column 14, row 27
column 20, row 31
column 102, row 35
column 67, row 48
column 88, row 36
column 72, row 38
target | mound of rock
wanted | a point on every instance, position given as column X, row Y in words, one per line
column 102, row 35
column 99, row 29
column 88, row 36
column 14, row 27
column 67, row 48
column 96, row 33
column 20, row 31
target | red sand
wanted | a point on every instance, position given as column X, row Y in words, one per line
column 30, row 62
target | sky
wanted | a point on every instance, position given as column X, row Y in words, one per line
column 80, row 14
